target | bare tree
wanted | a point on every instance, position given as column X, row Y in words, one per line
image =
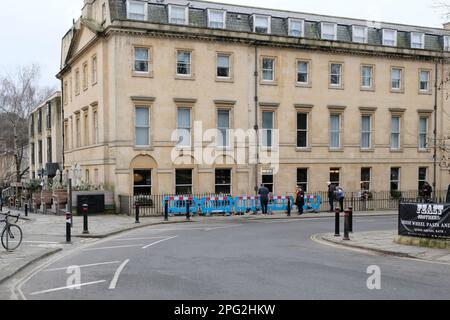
column 19, row 94
column 444, row 7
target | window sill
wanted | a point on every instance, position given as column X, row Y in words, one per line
column 396, row 150
column 181, row 77
column 332, row 87
column 371, row 150
column 303, row 85
column 268, row 83
column 143, row 148
column 225, row 80
column 397, row 91
column 367, row 89
column 306, row 149
column 425, row 93
column 423, row 151
column 142, row 74
column 336, row 150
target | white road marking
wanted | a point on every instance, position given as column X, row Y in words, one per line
column 43, row 242
column 84, row 266
column 113, row 283
column 135, row 239
column 68, row 287
column 155, row 243
column 115, row 247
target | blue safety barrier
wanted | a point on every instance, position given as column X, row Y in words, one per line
column 211, row 205
column 280, row 203
column 246, row 204
column 177, row 205
column 312, row 203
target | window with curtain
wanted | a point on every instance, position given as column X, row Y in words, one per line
column 178, row 15
column 424, row 81
column 268, row 126
column 329, row 31
column 141, row 60
column 268, row 69
column 142, row 126
column 335, row 131
column 261, row 24
column 360, row 34
column 296, row 28
column 303, row 72
column 184, row 62
column 184, row 127
column 366, row 132
column 216, row 19
column 417, row 40
column 396, row 78
column 137, row 10
column 223, row 126
column 223, row 66
column 367, row 77
column 389, row 38
column 423, row 132
column 395, row 133
column 336, row 74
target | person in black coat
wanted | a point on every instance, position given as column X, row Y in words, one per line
column 331, row 195
column 300, row 199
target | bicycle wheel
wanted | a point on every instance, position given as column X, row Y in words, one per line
column 11, row 237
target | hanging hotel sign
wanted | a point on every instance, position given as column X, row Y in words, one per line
column 425, row 220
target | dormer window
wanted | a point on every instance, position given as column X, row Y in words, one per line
column 446, row 43
column 217, row 19
column 296, row 28
column 417, row 40
column 178, row 15
column 360, row 34
column 328, row 31
column 389, row 37
column 261, row 24
column 137, row 10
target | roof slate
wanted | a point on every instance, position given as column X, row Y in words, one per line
column 239, row 18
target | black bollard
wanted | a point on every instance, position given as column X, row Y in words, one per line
column 85, row 219
column 166, row 211
column 347, row 225
column 337, row 225
column 137, row 213
column 26, row 209
column 69, row 227
column 1, row 204
column 289, row 207
column 350, row 209
column 188, row 213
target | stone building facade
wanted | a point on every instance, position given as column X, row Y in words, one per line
column 341, row 100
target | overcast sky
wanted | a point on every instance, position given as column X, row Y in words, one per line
column 31, row 30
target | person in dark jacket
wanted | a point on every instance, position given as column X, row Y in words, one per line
column 427, row 191
column 300, row 199
column 263, row 193
column 331, row 195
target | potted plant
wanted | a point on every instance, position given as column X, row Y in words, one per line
column 59, row 192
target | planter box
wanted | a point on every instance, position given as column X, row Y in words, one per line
column 47, row 198
column 60, row 197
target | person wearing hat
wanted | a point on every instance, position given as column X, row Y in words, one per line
column 331, row 195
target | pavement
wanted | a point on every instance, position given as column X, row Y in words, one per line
column 44, row 235
column 383, row 242
column 230, row 259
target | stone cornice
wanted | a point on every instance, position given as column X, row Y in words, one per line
column 204, row 34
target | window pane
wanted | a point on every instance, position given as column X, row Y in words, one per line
column 142, row 117
column 302, row 121
column 184, row 118
column 184, row 63
column 142, row 137
column 223, row 66
column 224, row 119
column 184, row 177
column 267, row 120
column 223, row 177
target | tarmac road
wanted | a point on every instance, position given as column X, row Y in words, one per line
column 224, row 260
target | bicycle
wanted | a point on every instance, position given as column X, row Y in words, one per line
column 11, row 234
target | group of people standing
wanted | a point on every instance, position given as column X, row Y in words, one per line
column 335, row 194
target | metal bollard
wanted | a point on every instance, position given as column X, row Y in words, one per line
column 1, row 204
column 26, row 209
column 137, row 213
column 337, row 224
column 166, row 211
column 289, row 207
column 350, row 209
column 347, row 225
column 85, row 219
column 188, row 213
column 69, row 219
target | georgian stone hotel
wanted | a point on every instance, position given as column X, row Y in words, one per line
column 338, row 100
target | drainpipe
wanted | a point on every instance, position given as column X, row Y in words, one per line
column 256, row 127
column 435, row 131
